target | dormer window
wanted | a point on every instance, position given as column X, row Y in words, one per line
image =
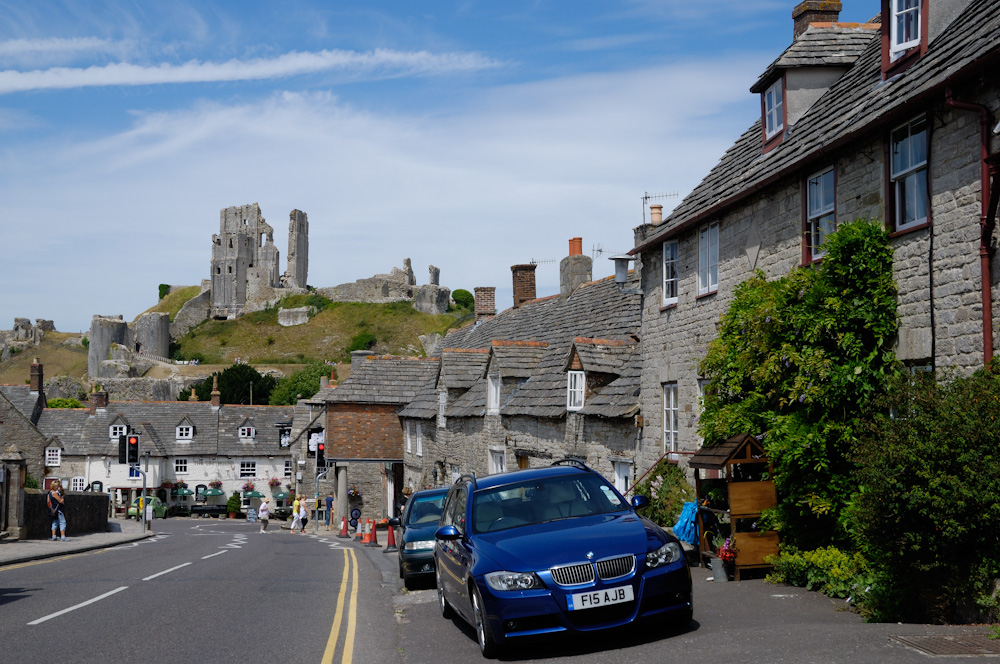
column 904, row 26
column 185, row 432
column 247, row 433
column 774, row 109
column 575, row 383
column 118, row 430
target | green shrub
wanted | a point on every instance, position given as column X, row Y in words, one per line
column 463, row 299
column 238, row 384
column 164, row 290
column 361, row 341
column 85, row 342
column 30, row 482
column 301, row 384
column 928, row 509
column 667, row 489
column 64, row 403
column 234, row 504
column 829, row 570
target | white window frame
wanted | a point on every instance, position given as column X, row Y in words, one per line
column 442, row 420
column 575, row 390
column 774, row 109
column 670, row 272
column 133, row 472
column 248, row 469
column 53, row 457
column 117, row 430
column 409, row 436
column 623, row 473
column 288, row 468
column 78, row 483
column 821, row 209
column 671, row 417
column 708, row 258
column 247, row 433
column 493, row 395
column 904, row 13
column 420, row 439
column 181, row 466
column 185, row 432
column 498, row 462
column 909, row 176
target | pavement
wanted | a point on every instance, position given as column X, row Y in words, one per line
column 120, row 531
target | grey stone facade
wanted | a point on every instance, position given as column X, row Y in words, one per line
column 757, row 197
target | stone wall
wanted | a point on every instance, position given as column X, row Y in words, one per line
column 151, row 334
column 194, row 311
column 86, row 512
column 17, row 431
column 142, row 389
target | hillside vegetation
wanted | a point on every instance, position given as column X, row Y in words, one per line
column 58, row 358
column 172, row 302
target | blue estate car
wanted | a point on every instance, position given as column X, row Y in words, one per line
column 419, row 522
column 550, row 550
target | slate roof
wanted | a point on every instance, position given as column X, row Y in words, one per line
column 604, row 355
column 856, row 105
column 461, row 367
column 24, row 400
column 156, row 421
column 386, row 380
column 534, row 341
column 818, row 47
column 424, row 405
column 620, row 398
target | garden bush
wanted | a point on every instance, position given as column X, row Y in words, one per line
column 361, row 341
column 928, row 510
column 301, row 384
column 64, row 403
column 463, row 299
column 829, row 570
column 667, row 489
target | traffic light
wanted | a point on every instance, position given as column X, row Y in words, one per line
column 122, row 456
column 132, row 448
column 320, row 455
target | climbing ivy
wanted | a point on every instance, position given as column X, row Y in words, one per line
column 796, row 363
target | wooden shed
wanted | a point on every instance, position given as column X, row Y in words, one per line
column 730, row 504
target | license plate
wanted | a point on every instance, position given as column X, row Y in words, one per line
column 594, row 599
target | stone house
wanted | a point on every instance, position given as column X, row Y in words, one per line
column 20, row 408
column 546, row 379
column 893, row 120
column 191, row 441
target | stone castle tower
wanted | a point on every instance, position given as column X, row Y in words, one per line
column 245, row 261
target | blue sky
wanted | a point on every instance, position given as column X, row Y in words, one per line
column 468, row 135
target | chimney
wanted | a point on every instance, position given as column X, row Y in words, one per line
column 194, row 394
column 485, row 307
column 524, row 283
column 37, row 376
column 575, row 269
column 656, row 214
column 216, row 395
column 98, row 399
column 358, row 357
column 815, row 11
column 324, row 382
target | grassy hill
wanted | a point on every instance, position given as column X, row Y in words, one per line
column 258, row 339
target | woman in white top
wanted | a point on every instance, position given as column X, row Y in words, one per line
column 263, row 513
column 304, row 515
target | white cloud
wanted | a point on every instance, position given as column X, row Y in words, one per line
column 385, row 62
column 507, row 177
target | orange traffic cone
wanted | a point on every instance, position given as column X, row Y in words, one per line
column 390, row 544
column 374, row 538
column 343, row 529
column 359, row 533
column 368, row 532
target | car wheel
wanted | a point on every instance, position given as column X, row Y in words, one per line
column 446, row 610
column 487, row 645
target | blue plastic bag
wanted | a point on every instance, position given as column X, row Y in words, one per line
column 685, row 529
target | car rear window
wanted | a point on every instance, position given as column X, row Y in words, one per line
column 425, row 510
column 543, row 500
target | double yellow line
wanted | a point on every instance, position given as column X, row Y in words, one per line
column 350, row 567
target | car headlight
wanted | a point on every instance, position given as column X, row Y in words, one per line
column 668, row 553
column 513, row 580
column 419, row 545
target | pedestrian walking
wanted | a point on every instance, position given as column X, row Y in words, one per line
column 56, row 503
column 296, row 516
column 263, row 513
column 304, row 513
column 329, row 511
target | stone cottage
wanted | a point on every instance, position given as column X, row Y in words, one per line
column 893, row 120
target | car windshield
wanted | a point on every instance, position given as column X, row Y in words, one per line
column 543, row 500
column 425, row 510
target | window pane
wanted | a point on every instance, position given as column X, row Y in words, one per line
column 900, row 151
column 918, row 142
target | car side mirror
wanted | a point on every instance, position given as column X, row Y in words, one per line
column 447, row 533
column 638, row 502
column 394, row 522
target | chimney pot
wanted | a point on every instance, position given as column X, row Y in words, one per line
column 655, row 214
column 576, row 269
column 576, row 246
column 814, row 11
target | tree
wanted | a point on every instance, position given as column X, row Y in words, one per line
column 301, row 384
column 797, row 363
column 240, row 383
column 464, row 299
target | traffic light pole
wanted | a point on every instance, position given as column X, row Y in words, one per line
column 316, row 520
column 142, row 501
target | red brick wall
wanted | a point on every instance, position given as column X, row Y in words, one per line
column 363, row 431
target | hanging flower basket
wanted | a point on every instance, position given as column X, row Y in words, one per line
column 166, row 484
column 215, row 484
column 353, row 492
column 248, row 486
column 274, row 482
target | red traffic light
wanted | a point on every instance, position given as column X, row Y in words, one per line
column 320, row 447
column 133, row 440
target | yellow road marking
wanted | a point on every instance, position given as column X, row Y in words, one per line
column 331, row 644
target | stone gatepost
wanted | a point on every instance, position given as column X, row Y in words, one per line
column 15, row 469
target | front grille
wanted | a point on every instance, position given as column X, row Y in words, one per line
column 573, row 575
column 615, row 568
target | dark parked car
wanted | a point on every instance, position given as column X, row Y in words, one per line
column 552, row 550
column 419, row 522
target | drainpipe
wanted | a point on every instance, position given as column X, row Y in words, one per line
column 984, row 231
